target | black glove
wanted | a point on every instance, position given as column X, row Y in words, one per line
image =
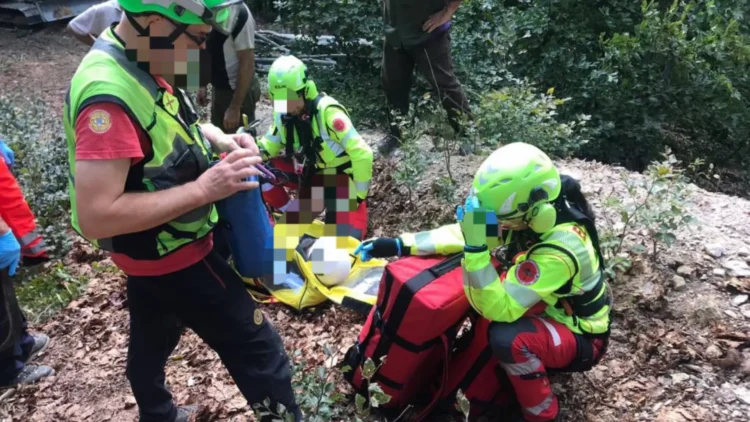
column 382, row 247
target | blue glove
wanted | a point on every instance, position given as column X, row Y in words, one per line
column 382, row 247
column 476, row 223
column 7, row 154
column 10, row 252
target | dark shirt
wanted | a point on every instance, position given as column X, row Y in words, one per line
column 404, row 20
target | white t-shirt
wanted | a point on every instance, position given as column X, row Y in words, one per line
column 245, row 40
column 96, row 19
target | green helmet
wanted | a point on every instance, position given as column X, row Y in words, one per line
column 515, row 179
column 287, row 77
column 221, row 14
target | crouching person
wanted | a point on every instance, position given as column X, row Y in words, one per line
column 551, row 306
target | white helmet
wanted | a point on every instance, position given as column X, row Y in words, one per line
column 330, row 264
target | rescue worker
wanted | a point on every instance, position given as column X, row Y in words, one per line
column 17, row 346
column 551, row 304
column 312, row 145
column 143, row 187
column 15, row 211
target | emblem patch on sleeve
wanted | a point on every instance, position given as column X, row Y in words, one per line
column 339, row 124
column 527, row 273
column 99, row 121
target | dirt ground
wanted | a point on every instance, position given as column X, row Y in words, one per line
column 680, row 346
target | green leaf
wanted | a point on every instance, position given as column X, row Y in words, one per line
column 321, row 372
column 345, row 369
column 280, row 409
column 359, row 402
column 374, row 402
column 368, row 370
column 463, row 403
column 267, row 402
column 382, row 398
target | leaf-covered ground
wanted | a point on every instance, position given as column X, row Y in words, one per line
column 680, row 344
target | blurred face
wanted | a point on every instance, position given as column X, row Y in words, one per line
column 170, row 50
column 289, row 102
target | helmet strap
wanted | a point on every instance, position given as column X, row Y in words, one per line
column 144, row 32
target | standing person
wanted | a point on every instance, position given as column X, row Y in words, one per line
column 313, row 147
column 17, row 346
column 143, row 188
column 93, row 21
column 417, row 34
column 550, row 308
column 16, row 212
column 236, row 89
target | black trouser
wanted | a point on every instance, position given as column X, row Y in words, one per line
column 433, row 60
column 210, row 298
column 13, row 332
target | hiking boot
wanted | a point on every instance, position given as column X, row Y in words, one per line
column 30, row 374
column 184, row 412
column 41, row 342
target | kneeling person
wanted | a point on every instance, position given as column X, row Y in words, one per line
column 313, row 147
column 550, row 309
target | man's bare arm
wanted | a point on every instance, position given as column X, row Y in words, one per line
column 245, row 75
column 87, row 39
column 105, row 210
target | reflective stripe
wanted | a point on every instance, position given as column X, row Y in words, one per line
column 36, row 249
column 194, row 215
column 351, row 133
column 525, row 296
column 541, row 407
column 336, row 147
column 528, row 367
column 26, row 239
column 577, row 246
column 552, row 330
column 272, row 138
column 424, row 243
column 481, row 278
column 592, row 281
column 362, row 186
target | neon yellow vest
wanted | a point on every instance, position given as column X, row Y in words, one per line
column 331, row 153
column 179, row 154
column 587, row 291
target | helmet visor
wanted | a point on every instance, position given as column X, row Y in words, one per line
column 224, row 16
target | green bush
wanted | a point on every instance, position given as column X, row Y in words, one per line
column 41, row 165
column 518, row 114
column 651, row 75
column 642, row 76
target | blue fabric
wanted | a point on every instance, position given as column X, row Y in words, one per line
column 10, row 252
column 248, row 232
column 7, row 154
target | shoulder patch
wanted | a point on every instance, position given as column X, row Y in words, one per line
column 339, row 124
column 527, row 272
column 99, row 121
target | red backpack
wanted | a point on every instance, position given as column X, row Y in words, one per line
column 477, row 373
column 420, row 307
